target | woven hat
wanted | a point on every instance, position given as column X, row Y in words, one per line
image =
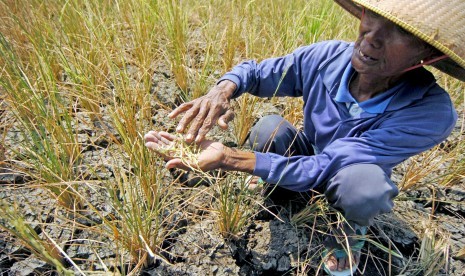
column 441, row 23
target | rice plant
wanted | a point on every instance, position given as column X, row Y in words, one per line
column 434, row 251
column 45, row 248
column 235, row 206
column 245, row 117
column 175, row 21
column 50, row 147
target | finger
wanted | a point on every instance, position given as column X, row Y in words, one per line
column 151, row 133
column 158, row 140
column 149, row 137
column 162, row 140
column 332, row 262
column 180, row 109
column 154, row 138
column 152, row 145
column 225, row 119
column 155, row 146
column 200, row 120
column 207, row 125
column 167, row 136
column 176, row 163
column 191, row 114
column 341, row 264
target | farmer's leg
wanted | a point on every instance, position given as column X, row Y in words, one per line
column 273, row 133
column 361, row 192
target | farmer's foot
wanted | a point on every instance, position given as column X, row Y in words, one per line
column 254, row 182
column 339, row 264
column 337, row 259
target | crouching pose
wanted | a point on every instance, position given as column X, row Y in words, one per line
column 368, row 105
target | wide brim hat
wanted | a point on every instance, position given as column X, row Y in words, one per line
column 439, row 23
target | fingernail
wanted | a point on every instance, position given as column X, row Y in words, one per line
column 189, row 137
column 179, row 128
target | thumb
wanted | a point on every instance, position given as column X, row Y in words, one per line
column 175, row 163
column 225, row 119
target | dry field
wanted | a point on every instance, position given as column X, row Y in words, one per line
column 81, row 82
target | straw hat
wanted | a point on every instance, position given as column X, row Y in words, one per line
column 441, row 23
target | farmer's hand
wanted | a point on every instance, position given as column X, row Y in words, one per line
column 204, row 112
column 208, row 158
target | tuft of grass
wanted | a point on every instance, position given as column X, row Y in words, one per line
column 419, row 167
column 434, row 251
column 174, row 19
column 231, row 36
column 142, row 223
column 444, row 165
column 49, row 148
column 201, row 78
column 139, row 195
column 246, row 111
column 433, row 254
column 235, row 206
column 46, row 248
column 293, row 112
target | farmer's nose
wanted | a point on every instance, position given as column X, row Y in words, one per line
column 375, row 37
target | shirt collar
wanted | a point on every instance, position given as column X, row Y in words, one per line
column 343, row 95
column 375, row 105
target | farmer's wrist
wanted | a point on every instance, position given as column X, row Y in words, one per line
column 228, row 87
column 237, row 160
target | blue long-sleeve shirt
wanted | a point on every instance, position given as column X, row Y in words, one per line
column 417, row 117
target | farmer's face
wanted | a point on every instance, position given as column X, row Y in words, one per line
column 384, row 49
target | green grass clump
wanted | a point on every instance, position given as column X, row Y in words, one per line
column 44, row 248
column 235, row 206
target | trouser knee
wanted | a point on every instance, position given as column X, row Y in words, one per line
column 275, row 134
column 361, row 192
column 266, row 132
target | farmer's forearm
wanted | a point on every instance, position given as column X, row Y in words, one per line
column 237, row 160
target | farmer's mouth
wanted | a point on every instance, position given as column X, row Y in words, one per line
column 365, row 56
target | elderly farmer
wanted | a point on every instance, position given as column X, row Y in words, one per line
column 368, row 106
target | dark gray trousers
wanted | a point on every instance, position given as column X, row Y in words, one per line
column 360, row 191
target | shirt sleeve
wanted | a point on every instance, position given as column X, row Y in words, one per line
column 396, row 138
column 281, row 76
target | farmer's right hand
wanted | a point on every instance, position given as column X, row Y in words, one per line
column 210, row 157
column 204, row 112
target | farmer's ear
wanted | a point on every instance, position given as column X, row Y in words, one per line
column 432, row 55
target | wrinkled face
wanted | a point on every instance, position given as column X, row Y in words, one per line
column 384, row 49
